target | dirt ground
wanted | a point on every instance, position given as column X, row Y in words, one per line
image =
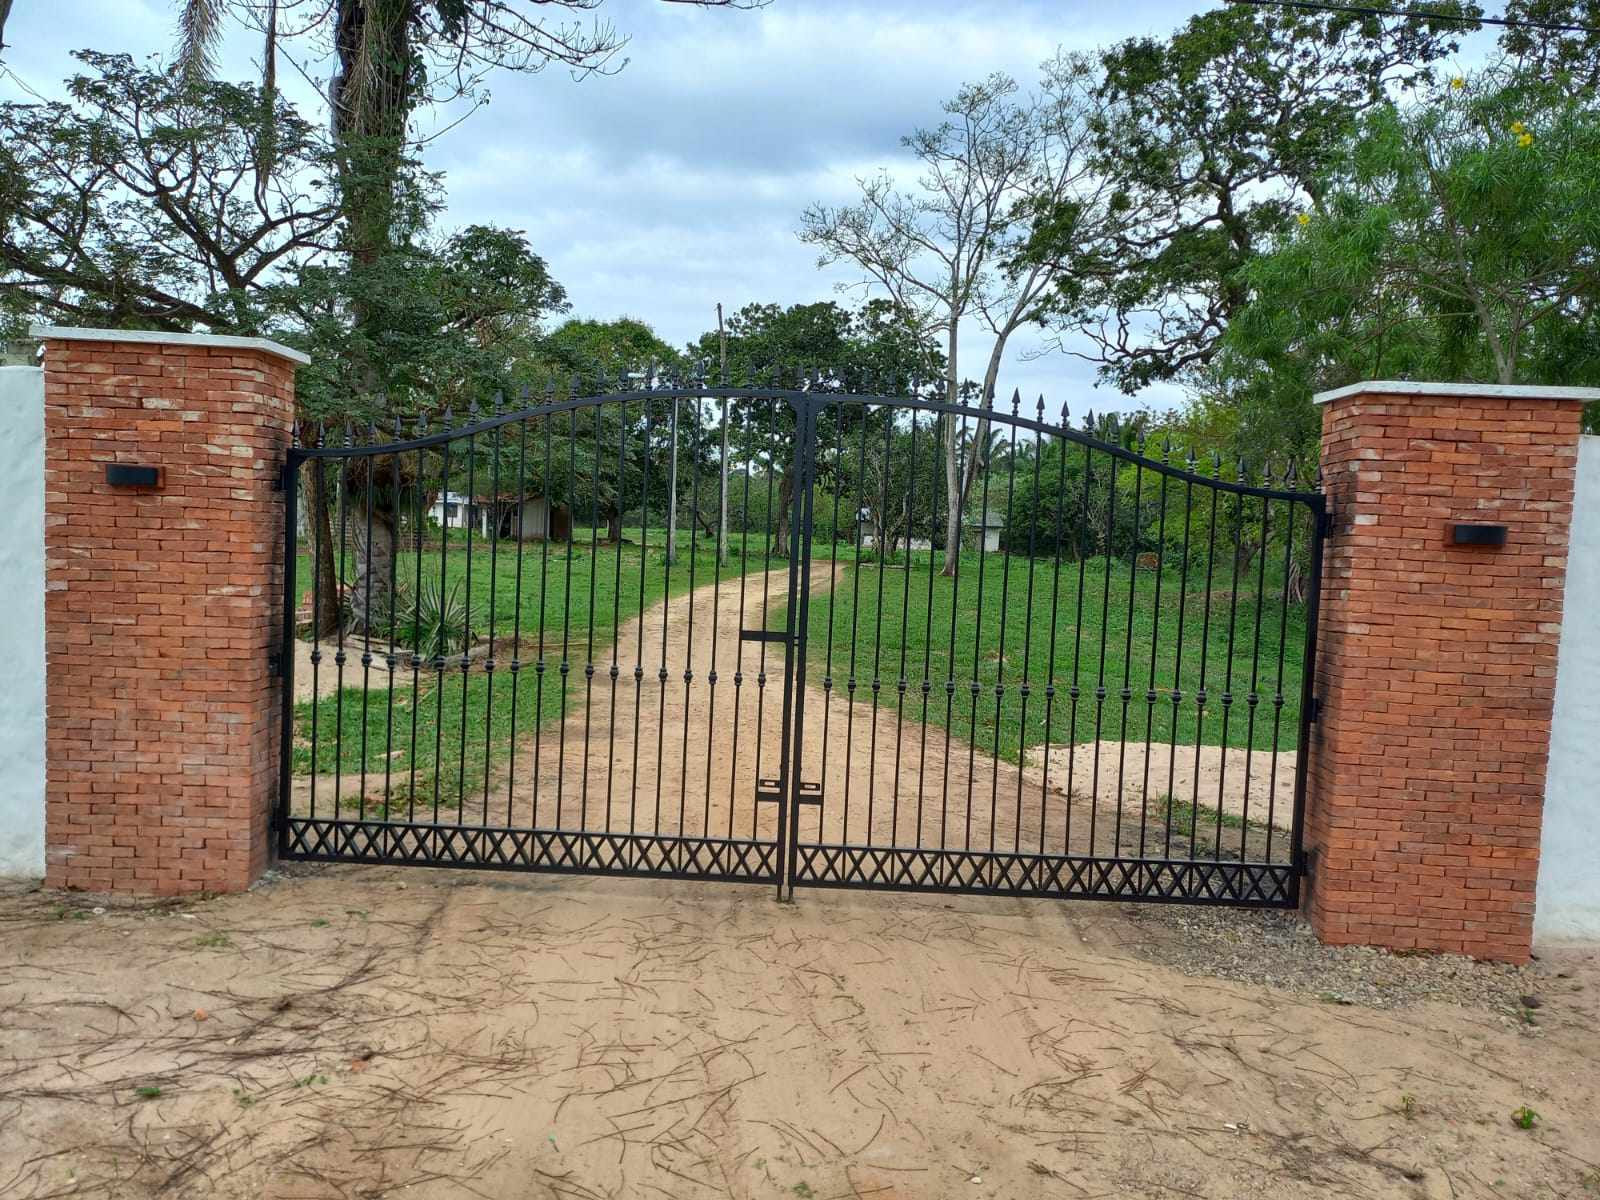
column 676, row 756
column 367, row 1032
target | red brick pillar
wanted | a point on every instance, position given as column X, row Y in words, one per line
column 1437, row 661
column 162, row 604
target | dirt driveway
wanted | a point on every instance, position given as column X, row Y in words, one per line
column 360, row 1032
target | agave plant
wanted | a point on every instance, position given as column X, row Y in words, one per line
column 434, row 620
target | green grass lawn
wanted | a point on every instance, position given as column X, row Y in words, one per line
column 445, row 730
column 853, row 631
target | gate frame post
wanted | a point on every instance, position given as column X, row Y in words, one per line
column 1437, row 663
column 801, row 517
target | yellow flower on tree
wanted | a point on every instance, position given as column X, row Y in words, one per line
column 1304, row 218
column 1458, row 83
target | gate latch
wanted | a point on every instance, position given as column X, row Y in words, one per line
column 763, row 635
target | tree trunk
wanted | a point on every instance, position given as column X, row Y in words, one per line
column 370, row 96
column 558, row 523
column 780, row 526
column 614, row 527
column 952, row 467
column 373, row 531
column 672, row 489
column 722, row 379
column 319, row 523
column 722, row 499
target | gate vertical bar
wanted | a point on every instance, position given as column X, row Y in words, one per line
column 799, row 490
column 802, row 515
column 291, row 487
column 1318, row 506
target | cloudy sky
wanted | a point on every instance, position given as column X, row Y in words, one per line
column 678, row 181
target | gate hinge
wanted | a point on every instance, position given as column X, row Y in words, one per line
column 280, row 478
column 275, row 663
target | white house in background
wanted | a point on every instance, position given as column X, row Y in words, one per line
column 530, row 519
column 982, row 531
column 867, row 530
column 452, row 510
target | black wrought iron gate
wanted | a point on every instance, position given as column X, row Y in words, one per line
column 802, row 637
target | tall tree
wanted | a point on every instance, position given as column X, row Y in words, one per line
column 1457, row 239
column 766, row 343
column 149, row 199
column 611, row 353
column 392, row 57
column 1213, row 137
column 1008, row 209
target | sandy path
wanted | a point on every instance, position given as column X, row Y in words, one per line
column 371, row 1033
column 663, row 750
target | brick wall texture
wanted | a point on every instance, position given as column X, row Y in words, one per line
column 161, row 608
column 1437, row 668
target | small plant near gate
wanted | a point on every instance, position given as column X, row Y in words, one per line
column 243, row 1098
column 310, row 1081
column 213, row 941
column 434, row 619
column 1408, row 1106
column 1524, row 1118
column 148, row 1092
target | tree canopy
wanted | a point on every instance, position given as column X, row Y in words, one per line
column 1210, row 139
column 1457, row 238
column 149, row 200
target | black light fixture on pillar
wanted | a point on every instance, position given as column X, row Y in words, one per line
column 1474, row 534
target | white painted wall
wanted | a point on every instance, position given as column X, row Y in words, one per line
column 22, row 630
column 1569, row 851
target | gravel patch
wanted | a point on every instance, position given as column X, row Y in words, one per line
column 1278, row 949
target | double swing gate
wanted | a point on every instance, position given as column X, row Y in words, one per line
column 800, row 637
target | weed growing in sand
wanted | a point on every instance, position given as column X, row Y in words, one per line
column 1524, row 1118
column 213, row 941
column 147, row 1092
column 1408, row 1106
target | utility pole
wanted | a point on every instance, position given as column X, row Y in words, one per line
column 722, row 378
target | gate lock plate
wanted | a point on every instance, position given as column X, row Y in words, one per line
column 770, row 791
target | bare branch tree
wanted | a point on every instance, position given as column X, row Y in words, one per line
column 1002, row 179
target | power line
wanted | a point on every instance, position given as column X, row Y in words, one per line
column 1362, row 10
